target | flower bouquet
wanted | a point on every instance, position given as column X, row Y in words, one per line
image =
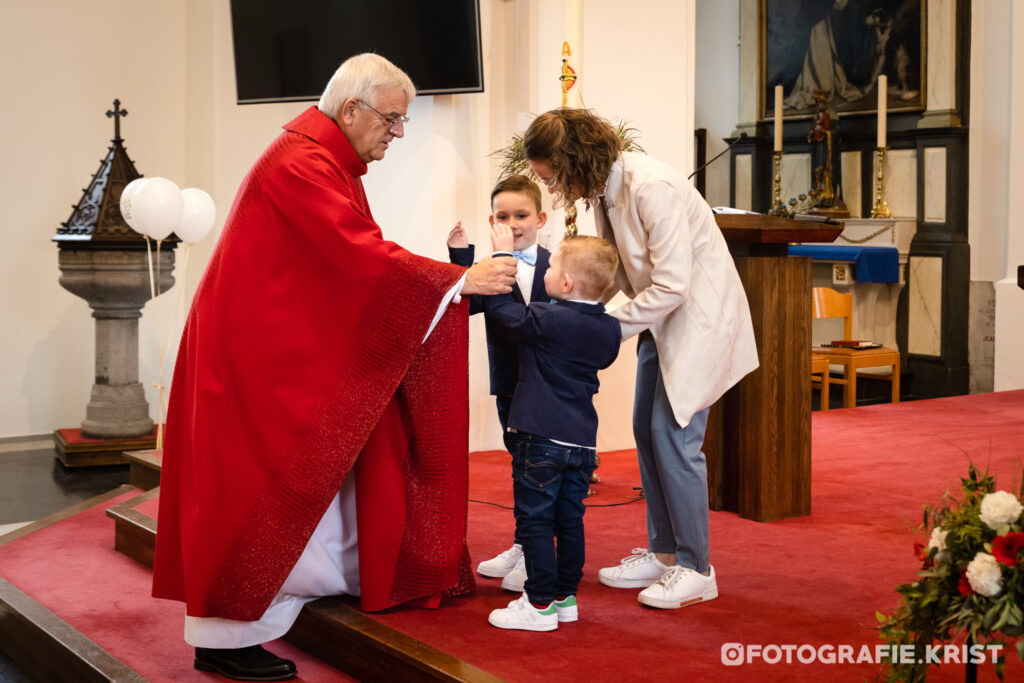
column 970, row 587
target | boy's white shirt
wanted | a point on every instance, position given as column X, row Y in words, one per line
column 525, row 273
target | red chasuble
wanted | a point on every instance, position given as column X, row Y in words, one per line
column 302, row 362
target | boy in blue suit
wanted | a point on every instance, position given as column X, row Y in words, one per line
column 552, row 421
column 515, row 202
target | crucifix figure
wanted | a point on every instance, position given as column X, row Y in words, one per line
column 117, row 113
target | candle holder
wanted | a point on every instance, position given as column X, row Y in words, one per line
column 777, row 207
column 881, row 209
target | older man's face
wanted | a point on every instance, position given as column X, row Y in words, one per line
column 369, row 131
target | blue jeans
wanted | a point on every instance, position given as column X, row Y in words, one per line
column 551, row 481
column 673, row 470
column 504, row 404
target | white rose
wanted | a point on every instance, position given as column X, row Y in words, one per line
column 999, row 508
column 984, row 575
column 938, row 539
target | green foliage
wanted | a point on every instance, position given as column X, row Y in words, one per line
column 933, row 610
column 512, row 158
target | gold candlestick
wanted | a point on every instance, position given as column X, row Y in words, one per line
column 881, row 209
column 777, row 208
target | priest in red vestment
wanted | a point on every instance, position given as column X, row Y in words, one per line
column 317, row 432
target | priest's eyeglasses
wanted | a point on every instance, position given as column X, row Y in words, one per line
column 395, row 121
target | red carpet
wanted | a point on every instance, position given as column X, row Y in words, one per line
column 814, row 580
column 71, row 567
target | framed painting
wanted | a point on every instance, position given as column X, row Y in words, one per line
column 841, row 46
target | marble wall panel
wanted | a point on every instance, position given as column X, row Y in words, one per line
column 981, row 338
column 851, row 183
column 900, row 181
column 744, row 179
column 924, row 311
column 796, row 175
column 935, row 184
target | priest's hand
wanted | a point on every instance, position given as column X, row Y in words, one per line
column 492, row 275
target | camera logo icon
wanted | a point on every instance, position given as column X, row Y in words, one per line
column 732, row 654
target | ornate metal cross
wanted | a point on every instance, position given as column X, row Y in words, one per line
column 117, row 113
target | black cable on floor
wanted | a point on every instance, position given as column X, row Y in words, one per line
column 593, row 505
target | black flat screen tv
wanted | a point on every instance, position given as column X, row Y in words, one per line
column 287, row 50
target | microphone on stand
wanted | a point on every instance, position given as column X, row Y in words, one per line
column 743, row 136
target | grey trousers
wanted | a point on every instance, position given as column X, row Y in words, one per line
column 673, row 470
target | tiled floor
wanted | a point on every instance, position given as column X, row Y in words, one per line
column 34, row 484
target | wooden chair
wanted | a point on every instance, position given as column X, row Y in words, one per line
column 829, row 303
column 820, row 377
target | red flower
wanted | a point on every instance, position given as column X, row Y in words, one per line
column 964, row 585
column 1006, row 548
column 922, row 551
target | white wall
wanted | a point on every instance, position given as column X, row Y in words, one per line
column 1009, row 238
column 62, row 63
column 176, row 77
column 716, row 99
column 990, row 125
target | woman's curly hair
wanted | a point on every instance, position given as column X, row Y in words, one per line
column 579, row 146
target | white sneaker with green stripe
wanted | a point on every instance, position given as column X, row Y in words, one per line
column 566, row 609
column 521, row 615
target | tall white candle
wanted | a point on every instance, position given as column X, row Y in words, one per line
column 882, row 95
column 778, row 118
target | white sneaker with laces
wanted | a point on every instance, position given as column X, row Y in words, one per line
column 680, row 587
column 639, row 570
column 499, row 566
column 515, row 579
column 521, row 615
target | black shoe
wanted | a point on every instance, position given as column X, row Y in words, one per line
column 245, row 664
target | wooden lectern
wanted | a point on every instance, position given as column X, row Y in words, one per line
column 758, row 441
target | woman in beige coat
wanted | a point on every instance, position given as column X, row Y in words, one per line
column 695, row 335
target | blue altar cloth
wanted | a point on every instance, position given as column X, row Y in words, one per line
column 873, row 264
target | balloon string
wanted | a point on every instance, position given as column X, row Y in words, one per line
column 152, row 284
column 160, row 357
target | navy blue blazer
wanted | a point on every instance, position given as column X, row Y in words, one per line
column 562, row 346
column 502, row 344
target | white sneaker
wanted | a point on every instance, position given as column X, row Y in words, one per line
column 501, row 565
column 639, row 570
column 520, row 614
column 680, row 587
column 567, row 609
column 515, row 579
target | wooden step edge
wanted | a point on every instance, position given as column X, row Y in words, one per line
column 340, row 635
column 135, row 532
column 48, row 649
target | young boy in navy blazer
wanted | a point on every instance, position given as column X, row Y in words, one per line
column 515, row 202
column 552, row 421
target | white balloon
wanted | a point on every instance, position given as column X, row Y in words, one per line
column 126, row 203
column 156, row 207
column 197, row 215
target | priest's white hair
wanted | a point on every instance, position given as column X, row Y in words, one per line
column 359, row 77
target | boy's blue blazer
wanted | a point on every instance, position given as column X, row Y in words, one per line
column 562, row 346
column 502, row 344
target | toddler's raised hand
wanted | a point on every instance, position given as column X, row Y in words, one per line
column 457, row 237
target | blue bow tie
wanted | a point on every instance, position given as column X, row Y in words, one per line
column 527, row 258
